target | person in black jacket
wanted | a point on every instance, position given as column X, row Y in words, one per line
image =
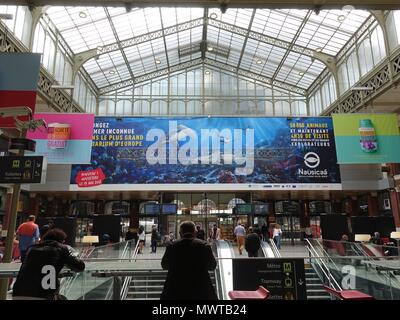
column 200, row 234
column 48, row 226
column 264, row 232
column 252, row 242
column 38, row 275
column 154, row 239
column 188, row 262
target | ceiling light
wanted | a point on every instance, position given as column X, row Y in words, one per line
column 82, row 14
column 318, row 49
column 111, row 72
column 207, row 72
column 341, row 18
column 158, row 61
column 210, row 49
column 213, row 15
column 301, row 73
column 259, row 61
column 348, row 8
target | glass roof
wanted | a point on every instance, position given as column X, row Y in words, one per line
column 258, row 40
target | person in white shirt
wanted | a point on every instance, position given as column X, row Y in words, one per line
column 215, row 233
column 240, row 233
column 277, row 235
column 142, row 238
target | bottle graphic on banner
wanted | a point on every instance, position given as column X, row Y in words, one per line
column 58, row 135
column 368, row 139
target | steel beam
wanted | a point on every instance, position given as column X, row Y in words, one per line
column 197, row 62
column 270, row 4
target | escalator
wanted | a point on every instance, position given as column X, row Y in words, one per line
column 224, row 251
column 314, row 285
column 372, row 274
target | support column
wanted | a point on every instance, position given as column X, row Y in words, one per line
column 33, row 205
column 7, row 209
column 37, row 13
column 372, row 206
column 395, row 205
column 349, row 207
column 394, row 169
column 99, row 207
column 134, row 214
column 304, row 214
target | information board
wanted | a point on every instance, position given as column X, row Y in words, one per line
column 283, row 278
column 19, row 169
column 261, row 209
column 151, row 208
column 243, row 209
column 169, row 208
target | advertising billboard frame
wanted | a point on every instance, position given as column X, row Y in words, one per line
column 246, row 186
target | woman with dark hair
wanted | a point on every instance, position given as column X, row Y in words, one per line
column 48, row 226
column 43, row 264
column 142, row 238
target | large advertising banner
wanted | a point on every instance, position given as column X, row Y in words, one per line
column 19, row 75
column 236, row 153
column 66, row 139
column 367, row 138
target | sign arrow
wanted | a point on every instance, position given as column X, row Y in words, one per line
column 301, row 282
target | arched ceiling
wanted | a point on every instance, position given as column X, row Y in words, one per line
column 283, row 46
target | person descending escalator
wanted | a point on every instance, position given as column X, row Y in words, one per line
column 253, row 242
column 277, row 234
column 240, row 233
column 264, row 232
column 200, row 234
column 215, row 233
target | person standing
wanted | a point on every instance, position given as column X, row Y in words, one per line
column 215, row 233
column 253, row 242
column 264, row 232
column 154, row 239
column 200, row 234
column 51, row 254
column 276, row 235
column 48, row 226
column 28, row 235
column 142, row 238
column 376, row 239
column 240, row 233
column 188, row 262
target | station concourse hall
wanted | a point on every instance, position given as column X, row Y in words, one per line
column 204, row 150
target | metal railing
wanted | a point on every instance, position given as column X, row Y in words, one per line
column 116, row 251
column 225, row 255
column 127, row 280
column 274, row 248
column 322, row 267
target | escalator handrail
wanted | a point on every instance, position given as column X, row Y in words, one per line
column 221, row 262
column 265, row 247
column 324, row 268
column 386, row 276
column 275, row 248
column 127, row 280
column 325, row 254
